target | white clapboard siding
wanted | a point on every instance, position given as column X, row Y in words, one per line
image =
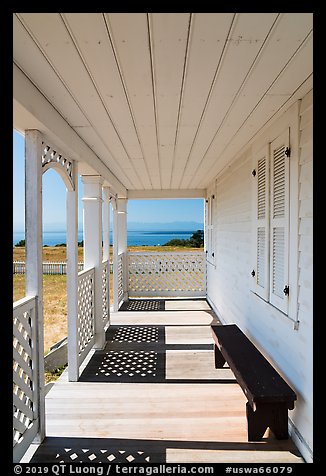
column 260, row 274
column 305, row 264
column 279, row 233
column 287, row 343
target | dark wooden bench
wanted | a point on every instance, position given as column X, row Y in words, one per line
column 269, row 396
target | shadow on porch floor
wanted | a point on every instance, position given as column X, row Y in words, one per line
column 141, row 354
column 119, row 450
column 175, row 304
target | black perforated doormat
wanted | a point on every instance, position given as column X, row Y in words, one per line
column 143, row 305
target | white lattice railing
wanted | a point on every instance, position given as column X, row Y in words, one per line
column 167, row 274
column 105, row 291
column 25, row 368
column 86, row 331
column 121, row 258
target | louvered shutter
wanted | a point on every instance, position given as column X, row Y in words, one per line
column 261, row 231
column 279, row 222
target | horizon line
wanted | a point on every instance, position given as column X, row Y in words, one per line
column 80, row 231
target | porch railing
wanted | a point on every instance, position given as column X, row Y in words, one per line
column 121, row 258
column 25, row 374
column 120, row 276
column 105, row 292
column 167, row 274
column 86, row 326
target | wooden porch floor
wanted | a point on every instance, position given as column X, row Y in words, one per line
column 153, row 395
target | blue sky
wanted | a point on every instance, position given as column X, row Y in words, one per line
column 54, row 200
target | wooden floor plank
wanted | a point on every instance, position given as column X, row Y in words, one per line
column 189, row 305
column 169, row 420
column 188, row 334
column 177, row 318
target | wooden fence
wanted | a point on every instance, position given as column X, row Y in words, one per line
column 49, row 267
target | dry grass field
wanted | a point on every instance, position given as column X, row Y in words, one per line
column 50, row 253
column 55, row 305
column 58, row 253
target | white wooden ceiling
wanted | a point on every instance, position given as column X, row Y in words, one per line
column 165, row 100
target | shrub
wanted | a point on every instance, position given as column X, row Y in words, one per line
column 176, row 242
column 195, row 241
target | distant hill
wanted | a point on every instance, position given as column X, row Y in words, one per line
column 172, row 226
column 132, row 226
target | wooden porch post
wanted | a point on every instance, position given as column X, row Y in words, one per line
column 34, row 242
column 106, row 224
column 115, row 255
column 72, row 279
column 122, row 247
column 119, row 246
column 106, row 239
column 92, row 202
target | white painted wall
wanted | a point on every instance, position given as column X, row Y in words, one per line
column 228, row 283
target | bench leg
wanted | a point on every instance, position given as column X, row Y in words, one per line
column 219, row 359
column 267, row 415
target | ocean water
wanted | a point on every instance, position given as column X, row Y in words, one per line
column 134, row 238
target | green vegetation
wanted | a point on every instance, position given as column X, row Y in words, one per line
column 20, row 243
column 54, row 375
column 195, row 241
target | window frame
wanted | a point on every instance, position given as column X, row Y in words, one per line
column 290, row 123
column 210, row 228
column 282, row 222
column 256, row 287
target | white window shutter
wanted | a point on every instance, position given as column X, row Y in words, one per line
column 260, row 272
column 279, row 222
